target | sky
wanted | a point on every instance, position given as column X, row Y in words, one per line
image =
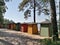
column 13, row 13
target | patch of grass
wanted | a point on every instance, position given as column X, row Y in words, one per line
column 49, row 42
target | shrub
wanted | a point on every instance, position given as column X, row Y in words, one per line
column 49, row 42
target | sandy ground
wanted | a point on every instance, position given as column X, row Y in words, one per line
column 9, row 37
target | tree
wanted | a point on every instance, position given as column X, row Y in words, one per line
column 53, row 20
column 59, row 15
column 7, row 21
column 3, row 8
column 1, row 18
column 37, row 5
column 40, row 9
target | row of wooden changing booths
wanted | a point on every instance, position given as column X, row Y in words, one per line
column 24, row 27
column 31, row 28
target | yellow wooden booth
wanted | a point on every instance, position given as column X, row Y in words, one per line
column 14, row 26
column 32, row 28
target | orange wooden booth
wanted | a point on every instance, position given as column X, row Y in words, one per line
column 32, row 28
column 24, row 27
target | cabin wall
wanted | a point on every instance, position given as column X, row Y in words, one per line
column 32, row 29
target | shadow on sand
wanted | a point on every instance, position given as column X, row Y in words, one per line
column 4, row 42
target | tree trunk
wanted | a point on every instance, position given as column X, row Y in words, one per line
column 34, row 12
column 53, row 20
column 59, row 15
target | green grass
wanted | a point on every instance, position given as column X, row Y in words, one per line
column 50, row 42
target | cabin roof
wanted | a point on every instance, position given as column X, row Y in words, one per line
column 45, row 22
column 30, row 23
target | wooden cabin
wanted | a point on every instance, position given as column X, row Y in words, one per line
column 32, row 28
column 18, row 27
column 46, row 29
column 9, row 26
column 24, row 27
column 12, row 26
column 0, row 25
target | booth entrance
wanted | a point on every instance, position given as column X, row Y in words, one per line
column 46, row 29
column 32, row 28
column 24, row 27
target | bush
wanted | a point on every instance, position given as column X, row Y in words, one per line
column 49, row 42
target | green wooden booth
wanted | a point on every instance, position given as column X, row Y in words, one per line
column 0, row 25
column 46, row 29
column 18, row 26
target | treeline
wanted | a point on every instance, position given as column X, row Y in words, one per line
column 7, row 21
column 3, row 8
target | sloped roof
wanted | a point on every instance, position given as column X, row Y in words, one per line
column 46, row 22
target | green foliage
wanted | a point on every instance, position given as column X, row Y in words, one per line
column 40, row 5
column 7, row 21
column 2, row 2
column 24, row 2
column 3, row 8
column 1, row 18
column 49, row 42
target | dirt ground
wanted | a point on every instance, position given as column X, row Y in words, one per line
column 9, row 37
